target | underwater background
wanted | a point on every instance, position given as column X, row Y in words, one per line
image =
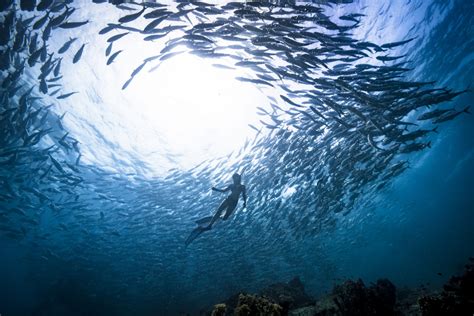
column 95, row 214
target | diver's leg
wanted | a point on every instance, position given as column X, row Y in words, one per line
column 230, row 209
column 204, row 221
column 222, row 207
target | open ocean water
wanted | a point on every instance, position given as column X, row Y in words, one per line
column 100, row 189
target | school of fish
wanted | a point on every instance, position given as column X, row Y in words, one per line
column 341, row 123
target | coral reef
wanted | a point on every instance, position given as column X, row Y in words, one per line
column 248, row 305
column 256, row 305
column 354, row 298
column 457, row 297
column 219, row 310
column 289, row 295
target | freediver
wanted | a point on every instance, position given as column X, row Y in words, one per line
column 228, row 205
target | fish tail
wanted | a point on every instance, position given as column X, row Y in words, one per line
column 467, row 109
column 435, row 130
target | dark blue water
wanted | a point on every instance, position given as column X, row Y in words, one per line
column 114, row 244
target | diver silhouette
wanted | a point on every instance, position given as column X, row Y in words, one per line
column 228, row 205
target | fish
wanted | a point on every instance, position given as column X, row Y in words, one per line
column 138, row 69
column 132, row 17
column 78, row 54
column 254, row 81
column 317, row 112
column 27, row 5
column 221, row 66
column 117, row 37
column 154, row 37
column 59, row 6
column 395, row 44
column 169, row 55
column 134, row 73
column 337, row 130
column 451, row 115
column 57, row 68
column 287, row 100
column 66, row 45
column 389, row 58
column 67, row 95
column 270, row 126
column 41, row 22
column 413, row 147
column 54, row 79
column 44, row 4
column 20, row 40
column 151, row 58
column 196, row 37
column 127, row 83
column 156, row 13
column 57, row 164
column 36, row 55
column 46, row 32
column 113, row 56
column 349, row 18
column 43, row 86
column 52, row 94
column 107, row 29
column 416, row 134
column 71, row 25
column 109, row 49
column 58, row 20
column 150, row 26
column 433, row 114
column 254, row 128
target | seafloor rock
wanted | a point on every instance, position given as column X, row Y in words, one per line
column 353, row 298
column 457, row 297
column 407, row 301
column 219, row 310
column 249, row 305
column 303, row 311
column 289, row 295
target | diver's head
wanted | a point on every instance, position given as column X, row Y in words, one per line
column 236, row 177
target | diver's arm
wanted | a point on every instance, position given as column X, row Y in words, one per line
column 221, row 190
column 244, row 195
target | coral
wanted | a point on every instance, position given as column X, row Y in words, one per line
column 303, row 311
column 354, row 298
column 407, row 301
column 350, row 297
column 219, row 310
column 281, row 297
column 382, row 296
column 289, row 295
column 253, row 305
column 457, row 297
column 248, row 305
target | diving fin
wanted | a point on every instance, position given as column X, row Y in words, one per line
column 204, row 221
column 195, row 234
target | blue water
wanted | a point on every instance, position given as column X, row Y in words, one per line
column 115, row 244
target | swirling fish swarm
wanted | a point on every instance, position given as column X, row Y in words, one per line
column 344, row 119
